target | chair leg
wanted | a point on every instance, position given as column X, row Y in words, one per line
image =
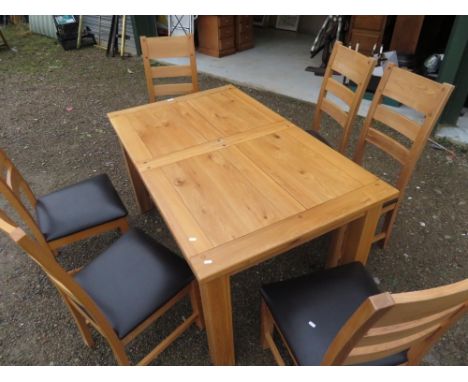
column 119, row 351
column 267, row 327
column 388, row 226
column 197, row 308
column 317, row 117
column 81, row 323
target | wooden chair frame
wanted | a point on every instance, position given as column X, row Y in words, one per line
column 84, row 310
column 13, row 187
column 154, row 48
column 419, row 93
column 386, row 324
column 354, row 66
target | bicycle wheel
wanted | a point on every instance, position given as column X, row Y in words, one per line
column 321, row 38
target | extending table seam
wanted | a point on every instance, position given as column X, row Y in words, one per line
column 211, row 146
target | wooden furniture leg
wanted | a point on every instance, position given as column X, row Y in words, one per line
column 336, row 247
column 141, row 194
column 197, row 308
column 80, row 322
column 266, row 323
column 358, row 237
column 217, row 310
column 266, row 330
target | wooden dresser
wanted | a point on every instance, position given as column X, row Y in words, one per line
column 367, row 31
column 244, row 32
column 216, row 35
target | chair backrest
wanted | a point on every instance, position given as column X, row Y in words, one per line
column 66, row 285
column 154, row 48
column 388, row 324
column 13, row 187
column 355, row 67
column 416, row 92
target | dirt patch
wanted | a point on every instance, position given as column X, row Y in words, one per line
column 53, row 124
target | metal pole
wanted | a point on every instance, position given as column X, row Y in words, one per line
column 99, row 28
column 80, row 26
column 122, row 44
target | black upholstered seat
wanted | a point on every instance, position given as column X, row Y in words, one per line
column 132, row 279
column 320, row 137
column 310, row 310
column 83, row 205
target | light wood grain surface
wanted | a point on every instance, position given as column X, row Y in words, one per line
column 237, row 183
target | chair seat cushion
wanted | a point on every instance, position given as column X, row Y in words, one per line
column 83, row 205
column 132, row 279
column 320, row 137
column 310, row 310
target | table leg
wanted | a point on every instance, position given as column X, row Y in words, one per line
column 141, row 194
column 353, row 243
column 217, row 310
column 336, row 247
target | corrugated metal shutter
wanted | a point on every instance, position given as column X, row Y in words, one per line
column 43, row 25
column 100, row 26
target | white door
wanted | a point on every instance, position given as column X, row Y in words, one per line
column 180, row 24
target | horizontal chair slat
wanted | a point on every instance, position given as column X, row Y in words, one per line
column 173, row 89
column 364, row 354
column 334, row 111
column 387, row 144
column 415, row 305
column 397, row 121
column 419, row 93
column 171, row 71
column 351, row 65
column 169, row 47
column 390, row 333
column 388, row 208
column 378, row 237
column 339, row 90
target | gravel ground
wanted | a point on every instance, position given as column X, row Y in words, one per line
column 53, row 124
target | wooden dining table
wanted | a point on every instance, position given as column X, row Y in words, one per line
column 237, row 184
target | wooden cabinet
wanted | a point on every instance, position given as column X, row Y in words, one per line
column 244, row 32
column 406, row 33
column 216, row 35
column 367, row 31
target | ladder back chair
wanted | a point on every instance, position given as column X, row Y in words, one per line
column 418, row 93
column 154, row 48
column 122, row 291
column 73, row 213
column 338, row 316
column 357, row 68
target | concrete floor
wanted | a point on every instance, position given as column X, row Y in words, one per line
column 277, row 63
column 458, row 134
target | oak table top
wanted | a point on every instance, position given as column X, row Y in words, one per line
column 237, row 183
